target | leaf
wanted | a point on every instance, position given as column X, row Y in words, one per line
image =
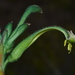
column 29, row 10
column 21, row 47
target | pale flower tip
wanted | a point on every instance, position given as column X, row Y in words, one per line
column 6, row 29
column 28, row 23
column 0, row 29
column 41, row 12
column 69, row 52
column 11, row 21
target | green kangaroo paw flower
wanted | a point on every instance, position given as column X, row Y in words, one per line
column 29, row 10
column 20, row 30
column 9, row 28
column 8, row 39
column 21, row 47
column 20, row 27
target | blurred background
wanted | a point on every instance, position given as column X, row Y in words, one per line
column 47, row 56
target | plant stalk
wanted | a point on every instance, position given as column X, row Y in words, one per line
column 1, row 60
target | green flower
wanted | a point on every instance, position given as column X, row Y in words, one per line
column 8, row 37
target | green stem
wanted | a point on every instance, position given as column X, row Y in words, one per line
column 5, row 64
column 1, row 60
column 1, row 72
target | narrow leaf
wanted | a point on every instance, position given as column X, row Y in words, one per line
column 21, row 47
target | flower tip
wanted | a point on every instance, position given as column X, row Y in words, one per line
column 69, row 52
column 11, row 21
column 69, row 48
column 28, row 23
column 41, row 12
column 6, row 29
column 0, row 30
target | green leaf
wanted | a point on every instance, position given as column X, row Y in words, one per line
column 21, row 47
column 29, row 10
column 20, row 30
